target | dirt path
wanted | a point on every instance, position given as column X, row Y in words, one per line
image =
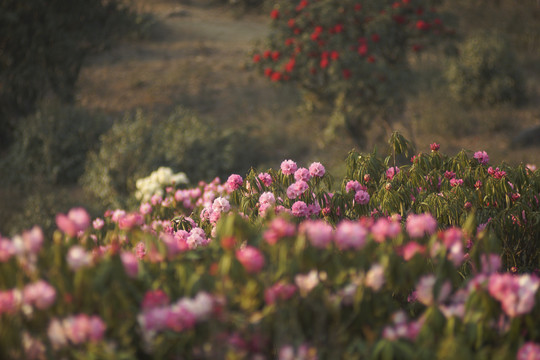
column 195, row 56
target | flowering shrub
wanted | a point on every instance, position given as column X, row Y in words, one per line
column 349, row 55
column 251, row 269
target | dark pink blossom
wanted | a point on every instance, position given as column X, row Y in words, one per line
column 251, row 259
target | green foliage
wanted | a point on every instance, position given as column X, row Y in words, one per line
column 138, row 145
column 485, row 72
column 44, row 44
column 51, row 145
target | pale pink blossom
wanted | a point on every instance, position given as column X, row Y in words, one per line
column 267, row 198
column 75, row 221
column 39, row 294
column 288, row 167
column 307, row 282
column 302, row 174
column 98, row 223
column 319, row 233
column 316, row 169
column 296, row 189
column 420, row 225
column 453, row 240
column 56, row 334
column 516, row 293
column 384, row 228
column 375, row 277
column 179, row 318
column 299, row 209
column 197, row 237
column 77, row 257
column 350, row 235
column 424, row 289
column 130, row 263
column 130, row 221
column 251, row 259
column 278, row 229
column 221, row 205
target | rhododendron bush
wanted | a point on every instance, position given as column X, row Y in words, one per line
column 350, row 55
column 391, row 262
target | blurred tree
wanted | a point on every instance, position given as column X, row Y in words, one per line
column 42, row 46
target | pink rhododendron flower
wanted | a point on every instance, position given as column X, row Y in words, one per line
column 39, row 294
column 130, row 263
column 391, row 172
column 154, row 298
column 434, row 147
column 288, row 167
column 296, row 189
column 156, row 199
column 278, row 228
column 265, row 178
column 355, row 186
column 375, row 277
column 482, row 157
column 420, row 225
column 453, row 240
column 77, row 257
column 98, row 223
column 516, row 293
column 319, row 233
column 10, row 300
column 302, row 174
column 221, row 205
column 424, row 289
column 529, row 351
column 251, row 258
column 201, row 306
column 385, row 228
column 299, row 209
column 456, row 182
column 361, row 197
column 76, row 220
column 313, row 209
column 130, row 221
column 350, row 235
column 197, row 237
column 234, row 182
column 410, row 249
column 267, row 198
column 316, row 169
column 179, row 318
column 96, row 329
column 279, row 291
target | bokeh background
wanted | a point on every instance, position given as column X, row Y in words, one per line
column 95, row 94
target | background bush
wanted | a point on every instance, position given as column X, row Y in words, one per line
column 485, row 72
column 138, row 145
column 44, row 44
column 51, row 145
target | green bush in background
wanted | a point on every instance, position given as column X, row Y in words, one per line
column 51, row 145
column 486, row 72
column 43, row 45
column 138, row 145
